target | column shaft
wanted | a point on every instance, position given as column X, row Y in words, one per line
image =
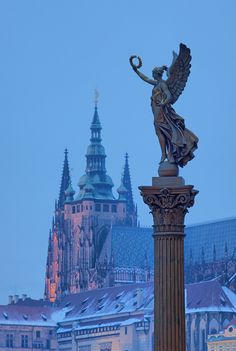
column 169, row 293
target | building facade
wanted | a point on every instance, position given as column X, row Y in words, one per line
column 28, row 324
column 225, row 340
column 119, row 318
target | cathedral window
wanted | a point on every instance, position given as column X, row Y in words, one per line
column 97, row 207
column 9, row 340
column 114, row 208
column 24, row 341
column 105, row 208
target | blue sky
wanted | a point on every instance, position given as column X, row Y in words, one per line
column 53, row 55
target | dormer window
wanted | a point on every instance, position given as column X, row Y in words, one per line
column 114, row 208
column 105, row 208
column 98, row 207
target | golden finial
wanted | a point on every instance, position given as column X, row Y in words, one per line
column 96, row 96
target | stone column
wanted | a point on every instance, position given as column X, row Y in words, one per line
column 169, row 199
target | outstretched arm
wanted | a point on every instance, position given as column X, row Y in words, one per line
column 143, row 77
column 140, row 74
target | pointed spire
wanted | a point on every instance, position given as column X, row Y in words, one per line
column 126, row 181
column 203, row 255
column 49, row 241
column 131, row 210
column 214, row 253
column 53, row 223
column 65, row 181
column 95, row 153
column 96, row 126
column 191, row 256
column 146, row 259
column 226, row 251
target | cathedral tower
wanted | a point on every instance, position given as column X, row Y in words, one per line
column 79, row 249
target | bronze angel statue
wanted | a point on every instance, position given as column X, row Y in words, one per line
column 177, row 142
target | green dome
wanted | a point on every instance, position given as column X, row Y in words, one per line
column 83, row 180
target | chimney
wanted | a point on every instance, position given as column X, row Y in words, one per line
column 10, row 299
column 24, row 296
column 16, row 298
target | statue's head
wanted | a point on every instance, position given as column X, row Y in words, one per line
column 157, row 72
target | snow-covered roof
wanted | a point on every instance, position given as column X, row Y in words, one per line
column 209, row 296
column 119, row 305
column 108, row 301
column 15, row 314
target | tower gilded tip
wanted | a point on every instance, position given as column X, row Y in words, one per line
column 96, row 97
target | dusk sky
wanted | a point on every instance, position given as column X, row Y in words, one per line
column 53, row 55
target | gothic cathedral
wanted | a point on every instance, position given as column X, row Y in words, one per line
column 79, row 249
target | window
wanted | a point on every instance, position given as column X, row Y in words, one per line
column 48, row 344
column 38, row 345
column 85, row 348
column 73, row 209
column 37, row 333
column 98, row 207
column 105, row 208
column 126, row 330
column 113, row 208
column 82, row 208
column 106, row 346
column 9, row 340
column 24, row 341
column 78, row 208
column 50, row 332
column 86, row 207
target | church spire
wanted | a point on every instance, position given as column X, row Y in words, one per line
column 95, row 183
column 126, row 181
column 95, row 153
column 65, row 181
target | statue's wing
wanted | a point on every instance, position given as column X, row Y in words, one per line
column 175, row 55
column 178, row 72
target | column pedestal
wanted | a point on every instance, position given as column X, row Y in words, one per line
column 169, row 199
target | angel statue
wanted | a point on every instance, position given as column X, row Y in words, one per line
column 177, row 142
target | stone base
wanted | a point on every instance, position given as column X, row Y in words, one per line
column 167, row 169
column 165, row 182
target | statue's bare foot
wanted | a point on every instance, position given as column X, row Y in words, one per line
column 171, row 158
column 163, row 157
